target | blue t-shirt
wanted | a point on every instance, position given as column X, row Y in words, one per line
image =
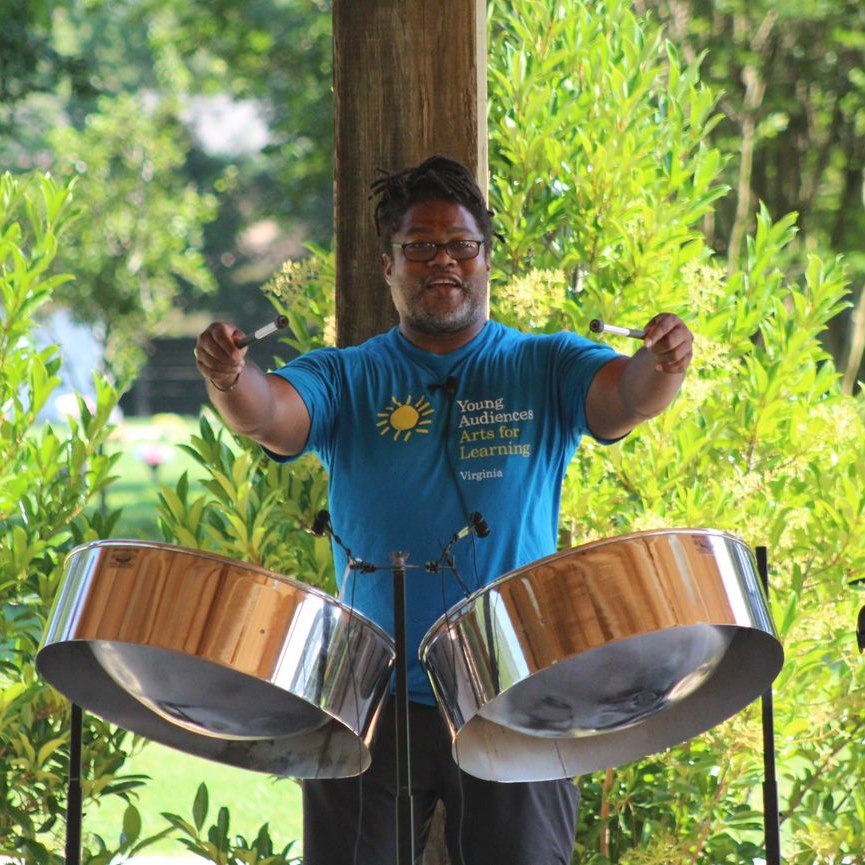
column 413, row 442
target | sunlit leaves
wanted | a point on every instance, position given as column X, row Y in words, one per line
column 252, row 508
column 215, row 843
column 48, row 476
column 139, row 231
column 607, row 195
column 599, row 141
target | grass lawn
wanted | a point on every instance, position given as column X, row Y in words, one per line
column 151, row 456
column 251, row 798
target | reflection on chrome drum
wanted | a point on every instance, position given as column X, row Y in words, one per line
column 603, row 654
column 217, row 658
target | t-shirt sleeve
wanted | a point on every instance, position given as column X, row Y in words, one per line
column 316, row 377
column 578, row 361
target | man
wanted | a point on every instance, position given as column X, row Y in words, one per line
column 447, row 415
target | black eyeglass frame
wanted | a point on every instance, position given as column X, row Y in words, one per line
column 435, row 247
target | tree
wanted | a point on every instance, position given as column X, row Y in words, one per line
column 166, row 217
column 29, row 60
column 278, row 53
column 138, row 241
column 793, row 101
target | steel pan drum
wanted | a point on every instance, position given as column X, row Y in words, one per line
column 602, row 655
column 220, row 659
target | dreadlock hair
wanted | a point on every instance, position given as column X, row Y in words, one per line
column 436, row 179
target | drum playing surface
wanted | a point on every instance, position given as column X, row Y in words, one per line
column 602, row 655
column 217, row 658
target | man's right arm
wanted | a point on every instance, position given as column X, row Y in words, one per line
column 264, row 408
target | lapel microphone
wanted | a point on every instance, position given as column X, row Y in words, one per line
column 449, row 386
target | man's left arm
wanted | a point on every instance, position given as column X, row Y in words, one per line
column 628, row 391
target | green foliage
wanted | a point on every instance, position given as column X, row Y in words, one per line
column 761, row 442
column 793, row 100
column 598, row 138
column 256, row 510
column 31, row 62
column 305, row 292
column 110, row 115
column 114, row 93
column 281, row 53
column 48, row 477
column 140, row 230
column 253, row 509
column 129, row 843
column 795, row 70
column 218, row 846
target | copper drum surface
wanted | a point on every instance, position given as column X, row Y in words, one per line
column 217, row 658
column 602, row 655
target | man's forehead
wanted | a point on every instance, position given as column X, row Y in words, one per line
column 438, row 215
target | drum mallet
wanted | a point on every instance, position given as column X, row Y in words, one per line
column 279, row 323
column 597, row 326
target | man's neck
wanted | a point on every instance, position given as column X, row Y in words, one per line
column 442, row 343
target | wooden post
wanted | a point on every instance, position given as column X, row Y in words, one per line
column 410, row 81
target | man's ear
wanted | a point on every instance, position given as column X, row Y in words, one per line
column 387, row 266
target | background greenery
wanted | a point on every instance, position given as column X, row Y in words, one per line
column 175, row 777
column 629, row 173
column 150, row 453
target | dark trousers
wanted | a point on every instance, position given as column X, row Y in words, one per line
column 352, row 821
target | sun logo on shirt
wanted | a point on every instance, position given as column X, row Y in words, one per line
column 405, row 418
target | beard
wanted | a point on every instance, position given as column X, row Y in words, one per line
column 422, row 311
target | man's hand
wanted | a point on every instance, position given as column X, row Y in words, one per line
column 628, row 391
column 671, row 342
column 217, row 356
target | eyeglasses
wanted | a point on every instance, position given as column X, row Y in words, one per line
column 423, row 250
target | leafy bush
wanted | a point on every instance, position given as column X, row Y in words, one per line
column 218, row 846
column 601, row 178
column 48, row 478
column 51, row 480
column 258, row 511
column 253, row 509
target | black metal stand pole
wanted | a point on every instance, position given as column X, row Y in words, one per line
column 73, row 795
column 771, row 808
column 404, row 806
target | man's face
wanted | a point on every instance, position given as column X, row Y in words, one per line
column 442, row 303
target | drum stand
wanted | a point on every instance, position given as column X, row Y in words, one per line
column 771, row 810
column 404, row 803
column 73, row 794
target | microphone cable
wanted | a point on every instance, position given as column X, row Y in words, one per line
column 450, row 393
